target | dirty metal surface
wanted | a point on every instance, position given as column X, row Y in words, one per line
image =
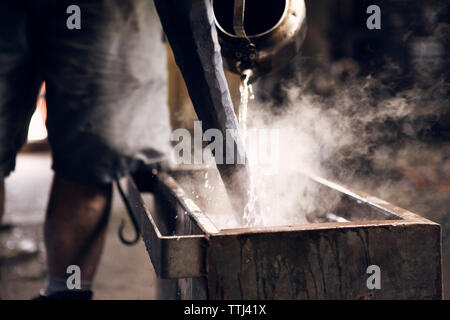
column 312, row 261
column 328, row 263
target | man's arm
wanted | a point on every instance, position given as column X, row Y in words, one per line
column 190, row 29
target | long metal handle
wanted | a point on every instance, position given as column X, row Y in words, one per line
column 189, row 26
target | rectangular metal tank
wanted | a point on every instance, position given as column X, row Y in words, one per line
column 328, row 260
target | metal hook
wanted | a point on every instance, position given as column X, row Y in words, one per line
column 132, row 218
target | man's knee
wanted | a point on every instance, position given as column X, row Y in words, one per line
column 80, row 202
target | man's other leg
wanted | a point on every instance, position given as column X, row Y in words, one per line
column 19, row 86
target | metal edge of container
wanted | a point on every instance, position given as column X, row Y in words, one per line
column 168, row 253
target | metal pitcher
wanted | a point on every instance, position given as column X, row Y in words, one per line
column 259, row 36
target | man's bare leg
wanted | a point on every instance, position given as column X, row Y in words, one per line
column 75, row 226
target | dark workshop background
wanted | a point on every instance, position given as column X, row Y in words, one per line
column 409, row 54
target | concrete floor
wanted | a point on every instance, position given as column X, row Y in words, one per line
column 124, row 272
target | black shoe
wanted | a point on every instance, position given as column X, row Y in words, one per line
column 67, row 295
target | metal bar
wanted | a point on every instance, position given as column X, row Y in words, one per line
column 190, row 29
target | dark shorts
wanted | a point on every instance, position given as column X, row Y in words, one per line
column 107, row 114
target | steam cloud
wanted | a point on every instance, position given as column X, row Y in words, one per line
column 345, row 127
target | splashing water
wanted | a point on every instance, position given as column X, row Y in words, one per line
column 251, row 209
column 246, row 91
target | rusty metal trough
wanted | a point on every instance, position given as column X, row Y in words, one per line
column 326, row 260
